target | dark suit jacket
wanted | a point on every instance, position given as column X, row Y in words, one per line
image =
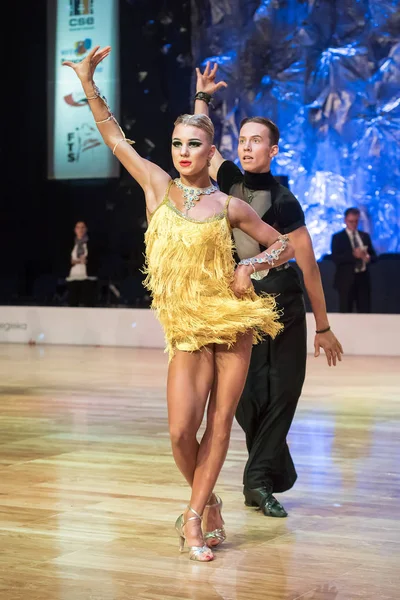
column 93, row 258
column 342, row 256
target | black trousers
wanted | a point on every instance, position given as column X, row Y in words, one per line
column 358, row 295
column 272, row 390
column 82, row 292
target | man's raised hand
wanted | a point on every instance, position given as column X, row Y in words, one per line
column 206, row 80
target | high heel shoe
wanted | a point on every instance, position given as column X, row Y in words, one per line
column 200, row 553
column 216, row 537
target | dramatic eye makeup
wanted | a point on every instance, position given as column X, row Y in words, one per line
column 194, row 143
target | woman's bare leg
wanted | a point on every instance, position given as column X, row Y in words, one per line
column 231, row 367
column 190, row 379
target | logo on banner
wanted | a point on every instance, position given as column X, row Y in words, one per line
column 82, row 46
column 81, row 14
column 76, row 99
column 81, row 140
column 80, row 7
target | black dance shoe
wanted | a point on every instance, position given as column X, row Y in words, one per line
column 263, row 499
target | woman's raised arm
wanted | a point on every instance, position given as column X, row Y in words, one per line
column 149, row 176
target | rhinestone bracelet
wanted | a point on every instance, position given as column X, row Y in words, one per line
column 109, row 118
column 268, row 257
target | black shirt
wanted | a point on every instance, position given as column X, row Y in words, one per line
column 275, row 204
column 284, row 212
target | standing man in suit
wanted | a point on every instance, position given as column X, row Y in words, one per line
column 352, row 252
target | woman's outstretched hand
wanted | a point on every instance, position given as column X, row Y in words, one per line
column 86, row 67
column 206, row 80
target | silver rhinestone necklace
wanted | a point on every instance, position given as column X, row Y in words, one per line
column 192, row 194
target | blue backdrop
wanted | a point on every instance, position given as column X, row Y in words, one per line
column 328, row 73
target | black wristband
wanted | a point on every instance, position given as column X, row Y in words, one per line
column 204, row 96
column 322, row 330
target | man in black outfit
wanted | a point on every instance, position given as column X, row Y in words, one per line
column 277, row 369
column 352, row 252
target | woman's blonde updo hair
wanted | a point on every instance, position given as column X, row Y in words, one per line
column 201, row 121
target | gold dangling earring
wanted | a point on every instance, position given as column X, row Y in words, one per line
column 208, row 162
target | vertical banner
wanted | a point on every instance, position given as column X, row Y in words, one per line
column 75, row 147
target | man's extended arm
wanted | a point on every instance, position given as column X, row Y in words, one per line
column 206, row 83
column 305, row 258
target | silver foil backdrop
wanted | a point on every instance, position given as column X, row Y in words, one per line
column 328, row 73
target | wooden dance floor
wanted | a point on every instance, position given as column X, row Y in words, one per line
column 89, row 491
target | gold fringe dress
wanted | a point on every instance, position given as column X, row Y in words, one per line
column 189, row 267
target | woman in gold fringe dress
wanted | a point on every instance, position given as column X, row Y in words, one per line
column 209, row 311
